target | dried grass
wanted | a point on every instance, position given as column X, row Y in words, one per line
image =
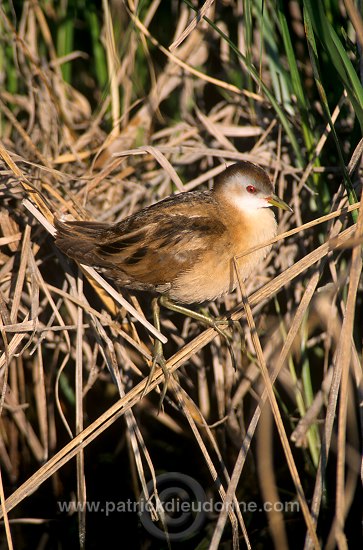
column 63, row 339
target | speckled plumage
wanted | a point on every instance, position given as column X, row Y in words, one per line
column 182, row 246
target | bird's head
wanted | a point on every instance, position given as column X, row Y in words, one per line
column 248, row 187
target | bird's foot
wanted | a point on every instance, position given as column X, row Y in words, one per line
column 227, row 337
column 207, row 319
column 215, row 323
column 158, row 360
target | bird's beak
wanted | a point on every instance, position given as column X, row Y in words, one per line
column 276, row 201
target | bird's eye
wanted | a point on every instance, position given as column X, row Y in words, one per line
column 251, row 189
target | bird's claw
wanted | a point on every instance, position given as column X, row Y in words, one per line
column 158, row 359
column 228, row 339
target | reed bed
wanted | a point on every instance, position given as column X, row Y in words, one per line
column 106, row 109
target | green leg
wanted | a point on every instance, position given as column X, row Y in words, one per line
column 158, row 356
column 209, row 321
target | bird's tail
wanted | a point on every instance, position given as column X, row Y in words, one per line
column 79, row 239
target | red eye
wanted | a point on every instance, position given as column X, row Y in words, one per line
column 251, row 189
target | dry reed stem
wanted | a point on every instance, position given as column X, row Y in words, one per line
column 59, row 324
column 282, row 358
column 343, row 358
column 267, row 478
column 81, row 482
column 201, row 12
column 117, row 410
column 185, row 66
column 332, row 402
column 9, row 539
column 232, row 511
column 277, row 416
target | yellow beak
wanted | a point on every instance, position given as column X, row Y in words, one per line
column 276, row 201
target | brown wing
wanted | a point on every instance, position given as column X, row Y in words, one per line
column 148, row 250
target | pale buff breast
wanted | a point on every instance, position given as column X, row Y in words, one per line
column 214, row 275
column 261, row 228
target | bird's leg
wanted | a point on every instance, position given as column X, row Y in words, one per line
column 158, row 356
column 208, row 320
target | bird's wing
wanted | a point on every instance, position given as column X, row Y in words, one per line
column 149, row 249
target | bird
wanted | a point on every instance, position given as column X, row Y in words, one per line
column 182, row 248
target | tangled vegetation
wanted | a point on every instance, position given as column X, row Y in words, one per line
column 105, row 108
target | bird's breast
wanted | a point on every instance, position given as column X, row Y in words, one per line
column 214, row 273
column 256, row 229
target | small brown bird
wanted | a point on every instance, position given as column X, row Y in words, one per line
column 183, row 246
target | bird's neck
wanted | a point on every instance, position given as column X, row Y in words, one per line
column 250, row 227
